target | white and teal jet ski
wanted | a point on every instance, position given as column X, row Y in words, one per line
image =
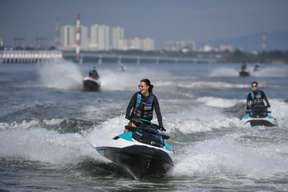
column 258, row 117
column 142, row 151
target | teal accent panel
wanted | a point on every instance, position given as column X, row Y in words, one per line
column 127, row 136
column 167, row 147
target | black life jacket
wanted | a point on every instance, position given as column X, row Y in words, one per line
column 144, row 109
column 257, row 98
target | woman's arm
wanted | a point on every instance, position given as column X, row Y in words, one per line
column 130, row 107
column 158, row 112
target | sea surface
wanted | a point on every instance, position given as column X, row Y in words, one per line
column 48, row 127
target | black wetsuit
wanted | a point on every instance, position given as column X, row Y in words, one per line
column 256, row 99
column 131, row 107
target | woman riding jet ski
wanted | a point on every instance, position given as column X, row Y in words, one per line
column 257, row 104
column 141, row 149
column 92, row 82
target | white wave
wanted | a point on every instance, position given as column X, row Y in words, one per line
column 164, row 83
column 225, row 155
column 271, row 72
column 224, row 72
column 213, row 85
column 26, row 124
column 279, row 110
column 60, row 74
column 47, row 146
column 128, row 80
column 24, row 140
column 103, row 134
column 219, row 102
column 201, row 119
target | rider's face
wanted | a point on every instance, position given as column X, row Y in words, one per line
column 254, row 87
column 143, row 88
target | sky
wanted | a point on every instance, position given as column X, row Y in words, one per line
column 161, row 20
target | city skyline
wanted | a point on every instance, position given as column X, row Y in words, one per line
column 200, row 21
column 101, row 37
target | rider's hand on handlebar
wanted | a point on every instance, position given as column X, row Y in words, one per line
column 162, row 129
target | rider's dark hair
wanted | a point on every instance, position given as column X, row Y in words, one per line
column 148, row 82
column 254, row 82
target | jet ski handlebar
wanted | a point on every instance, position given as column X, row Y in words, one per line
column 145, row 123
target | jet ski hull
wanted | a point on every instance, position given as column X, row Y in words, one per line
column 139, row 160
column 244, row 74
column 90, row 85
column 267, row 121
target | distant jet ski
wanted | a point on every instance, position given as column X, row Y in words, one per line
column 244, row 72
column 92, row 82
column 259, row 117
column 142, row 151
column 256, row 68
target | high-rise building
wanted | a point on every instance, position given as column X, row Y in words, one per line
column 117, row 34
column 100, row 37
column 140, row 44
column 103, row 37
column 94, row 35
column 124, row 44
column 135, row 43
column 148, row 44
column 84, row 37
column 67, row 37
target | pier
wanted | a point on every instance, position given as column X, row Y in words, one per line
column 35, row 56
column 25, row 56
column 112, row 57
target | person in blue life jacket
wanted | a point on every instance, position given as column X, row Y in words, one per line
column 256, row 99
column 142, row 104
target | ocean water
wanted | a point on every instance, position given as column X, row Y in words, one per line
column 48, row 126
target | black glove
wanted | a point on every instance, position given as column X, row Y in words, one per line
column 162, row 129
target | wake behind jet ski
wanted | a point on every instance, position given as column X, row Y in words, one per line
column 243, row 72
column 92, row 82
column 142, row 151
column 257, row 104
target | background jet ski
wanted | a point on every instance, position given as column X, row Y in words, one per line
column 244, row 72
column 92, row 82
column 259, row 117
column 256, row 68
column 142, row 151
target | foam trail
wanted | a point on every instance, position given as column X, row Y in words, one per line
column 25, row 140
column 60, row 74
column 224, row 72
column 196, row 120
column 46, row 146
column 226, row 155
column 271, row 72
column 219, row 102
column 211, row 85
column 103, row 134
column 128, row 80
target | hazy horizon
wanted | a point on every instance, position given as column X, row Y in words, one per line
column 162, row 20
